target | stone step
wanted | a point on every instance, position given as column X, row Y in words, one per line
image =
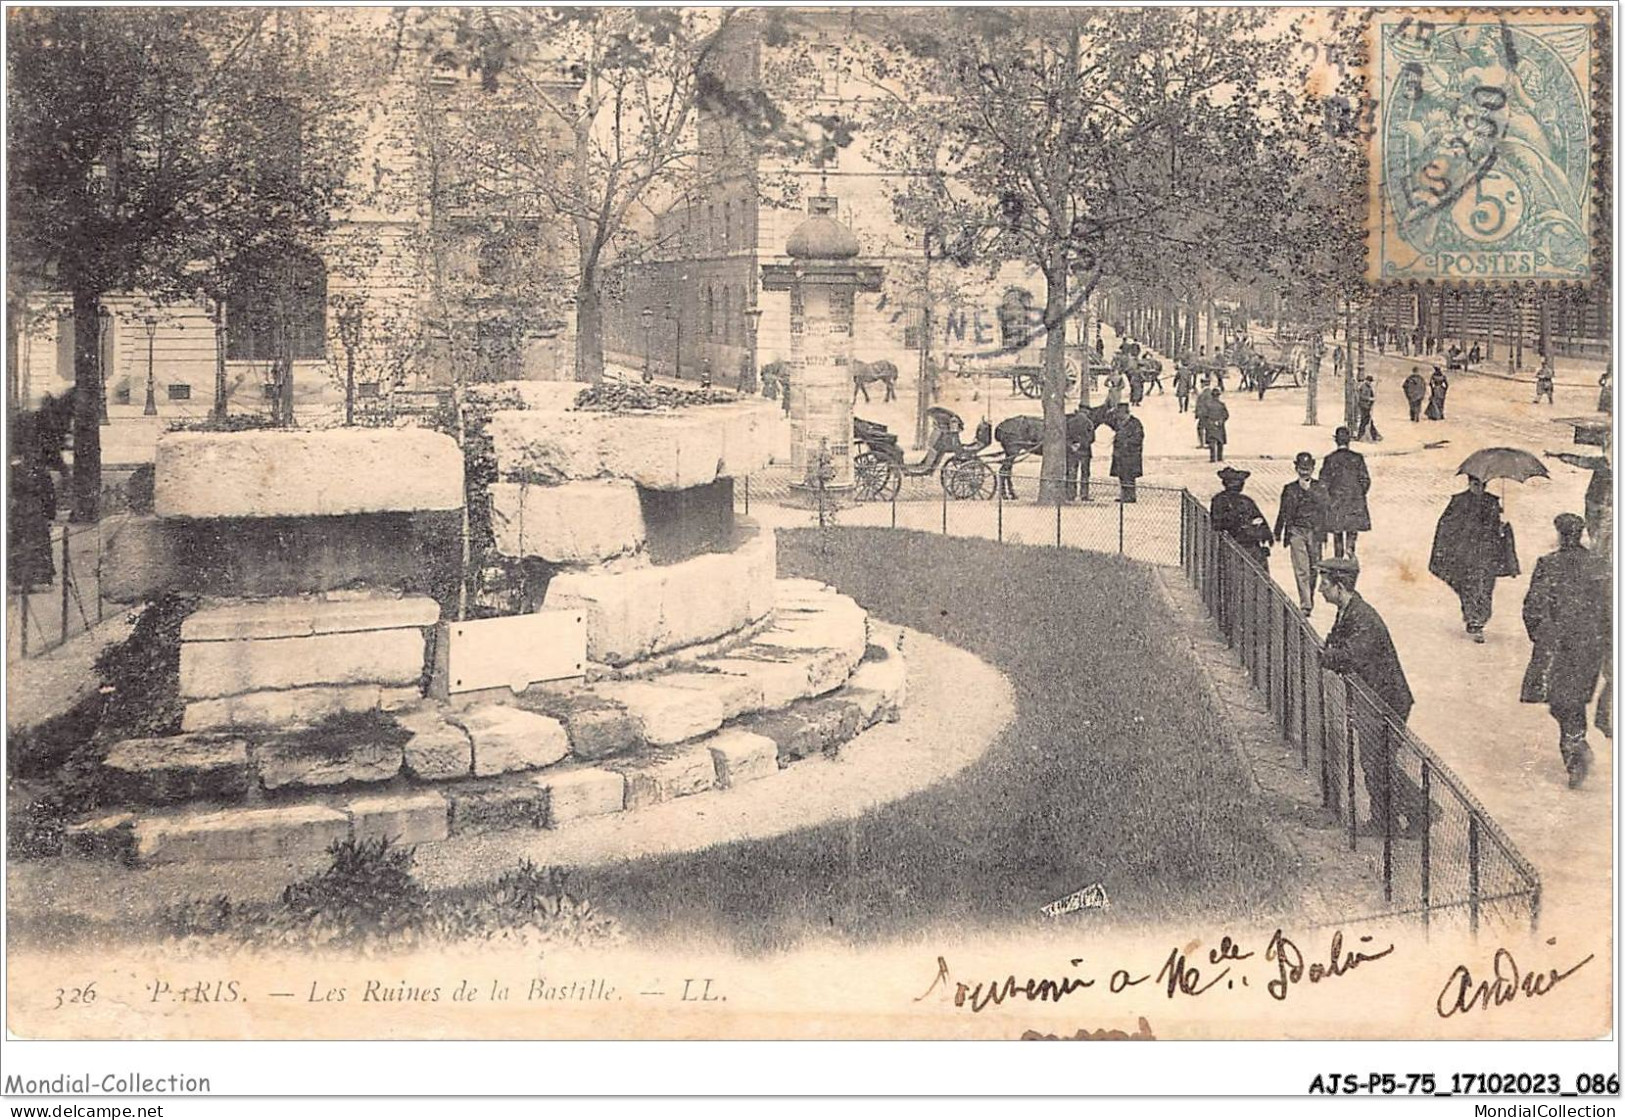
column 300, row 616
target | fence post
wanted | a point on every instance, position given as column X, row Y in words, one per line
column 1120, row 506
column 1325, row 737
column 22, row 610
column 1472, row 870
column 1286, row 672
column 894, row 511
column 1427, row 844
column 1184, row 529
column 1057, row 523
column 945, row 513
column 1303, row 698
column 1387, row 812
column 747, row 495
column 999, row 501
column 67, row 580
column 1351, row 744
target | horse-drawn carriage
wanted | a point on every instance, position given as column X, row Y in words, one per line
column 879, row 466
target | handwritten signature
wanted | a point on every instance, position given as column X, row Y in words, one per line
column 1460, row 995
column 1179, row 974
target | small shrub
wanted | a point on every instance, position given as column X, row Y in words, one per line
column 235, row 422
column 141, row 676
column 612, row 397
column 367, row 893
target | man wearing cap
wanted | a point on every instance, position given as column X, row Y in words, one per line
column 1566, row 614
column 1359, row 645
column 1300, row 524
column 1347, row 482
column 1238, row 517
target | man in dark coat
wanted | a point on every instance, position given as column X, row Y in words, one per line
column 1470, row 553
column 1183, row 376
column 1128, row 444
column 1300, row 524
column 1365, row 399
column 1211, row 417
column 1347, row 482
column 1080, row 449
column 1359, row 645
column 1416, row 390
column 1566, row 614
column 1238, row 517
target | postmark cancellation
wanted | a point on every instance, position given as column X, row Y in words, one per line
column 1482, row 156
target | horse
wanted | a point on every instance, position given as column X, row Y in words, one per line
column 1024, row 435
column 865, row 374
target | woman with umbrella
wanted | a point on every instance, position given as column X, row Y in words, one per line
column 1472, row 546
column 1438, row 386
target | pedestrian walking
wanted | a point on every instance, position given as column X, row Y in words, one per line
column 1359, row 645
column 1545, row 380
column 1472, row 548
column 1128, row 446
column 1238, row 517
column 1300, row 524
column 1438, row 386
column 1080, row 449
column 1183, row 376
column 1605, row 391
column 1416, row 390
column 1115, row 383
column 1566, row 615
column 1347, row 483
column 1211, row 417
column 1136, row 382
column 1365, row 400
column 1153, row 376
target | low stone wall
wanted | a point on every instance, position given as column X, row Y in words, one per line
column 555, row 755
column 644, row 612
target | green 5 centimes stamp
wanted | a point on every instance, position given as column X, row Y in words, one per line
column 1482, row 151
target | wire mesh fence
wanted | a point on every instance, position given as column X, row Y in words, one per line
column 1443, row 858
column 57, row 601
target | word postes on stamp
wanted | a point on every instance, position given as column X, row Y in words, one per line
column 1481, row 158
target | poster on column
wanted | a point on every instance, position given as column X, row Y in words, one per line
column 1064, row 548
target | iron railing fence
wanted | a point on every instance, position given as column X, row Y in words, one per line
column 1455, row 863
column 44, row 613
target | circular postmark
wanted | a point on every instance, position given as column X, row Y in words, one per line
column 1486, row 148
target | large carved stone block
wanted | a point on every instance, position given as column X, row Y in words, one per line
column 300, row 474
column 573, row 523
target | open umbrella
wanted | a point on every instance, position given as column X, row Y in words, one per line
column 1503, row 462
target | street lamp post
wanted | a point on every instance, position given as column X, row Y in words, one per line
column 677, row 326
column 648, row 316
column 753, row 325
column 151, row 409
column 104, row 321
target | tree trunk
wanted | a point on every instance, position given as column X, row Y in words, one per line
column 219, row 410
column 589, row 329
column 1053, row 469
column 87, row 406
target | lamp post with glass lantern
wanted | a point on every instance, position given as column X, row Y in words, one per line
column 648, row 317
column 151, row 324
column 104, row 321
column 753, row 324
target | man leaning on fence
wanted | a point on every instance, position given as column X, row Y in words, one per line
column 1359, row 645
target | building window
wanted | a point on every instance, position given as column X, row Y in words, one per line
column 278, row 308
column 180, row 391
column 710, row 227
column 710, row 312
column 727, row 225
column 727, row 315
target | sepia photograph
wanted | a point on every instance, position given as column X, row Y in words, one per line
column 651, row 523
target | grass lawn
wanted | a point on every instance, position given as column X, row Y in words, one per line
column 1112, row 772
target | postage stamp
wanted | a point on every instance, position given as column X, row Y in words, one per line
column 1481, row 154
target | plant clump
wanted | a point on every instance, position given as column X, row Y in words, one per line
column 368, row 899
column 610, row 397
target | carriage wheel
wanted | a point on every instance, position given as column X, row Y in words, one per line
column 877, row 478
column 967, row 477
column 1027, row 384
